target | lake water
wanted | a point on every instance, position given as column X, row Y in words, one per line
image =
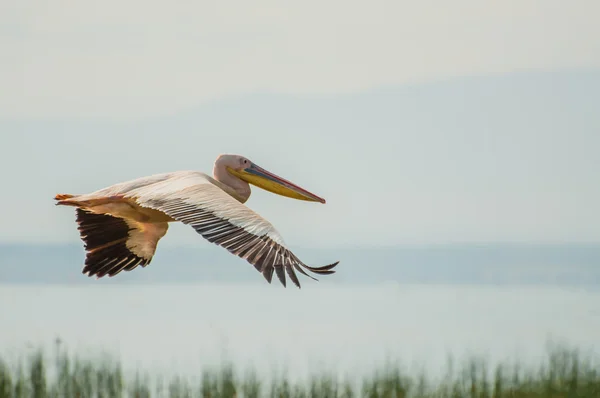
column 179, row 328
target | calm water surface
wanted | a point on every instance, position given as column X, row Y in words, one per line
column 182, row 327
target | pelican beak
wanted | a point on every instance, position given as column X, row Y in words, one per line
column 268, row 181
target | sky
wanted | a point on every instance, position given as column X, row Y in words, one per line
column 133, row 58
column 93, row 93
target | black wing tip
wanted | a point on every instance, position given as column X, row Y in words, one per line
column 101, row 269
column 324, row 270
column 111, row 261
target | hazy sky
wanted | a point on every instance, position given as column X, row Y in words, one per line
column 129, row 58
column 83, row 87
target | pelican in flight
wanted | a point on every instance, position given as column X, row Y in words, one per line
column 121, row 225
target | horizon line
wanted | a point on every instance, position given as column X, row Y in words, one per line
column 354, row 246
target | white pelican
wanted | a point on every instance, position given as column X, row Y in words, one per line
column 121, row 225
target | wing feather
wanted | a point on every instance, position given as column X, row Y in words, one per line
column 221, row 219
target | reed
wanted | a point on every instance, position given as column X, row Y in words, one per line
column 563, row 373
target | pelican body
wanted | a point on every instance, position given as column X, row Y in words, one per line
column 121, row 225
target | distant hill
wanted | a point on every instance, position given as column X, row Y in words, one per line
column 574, row 265
column 487, row 158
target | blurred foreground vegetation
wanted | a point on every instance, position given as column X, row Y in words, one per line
column 563, row 373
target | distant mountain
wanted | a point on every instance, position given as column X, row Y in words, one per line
column 486, row 158
column 574, row 265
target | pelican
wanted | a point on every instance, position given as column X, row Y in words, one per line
column 121, row 225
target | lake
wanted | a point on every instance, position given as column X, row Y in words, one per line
column 179, row 328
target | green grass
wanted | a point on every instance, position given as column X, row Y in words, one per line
column 563, row 373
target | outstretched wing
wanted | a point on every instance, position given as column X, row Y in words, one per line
column 115, row 244
column 194, row 200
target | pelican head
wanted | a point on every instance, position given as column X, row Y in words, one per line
column 246, row 170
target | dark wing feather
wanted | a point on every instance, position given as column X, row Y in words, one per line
column 233, row 226
column 105, row 240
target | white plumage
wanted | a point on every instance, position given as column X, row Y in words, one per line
column 122, row 224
